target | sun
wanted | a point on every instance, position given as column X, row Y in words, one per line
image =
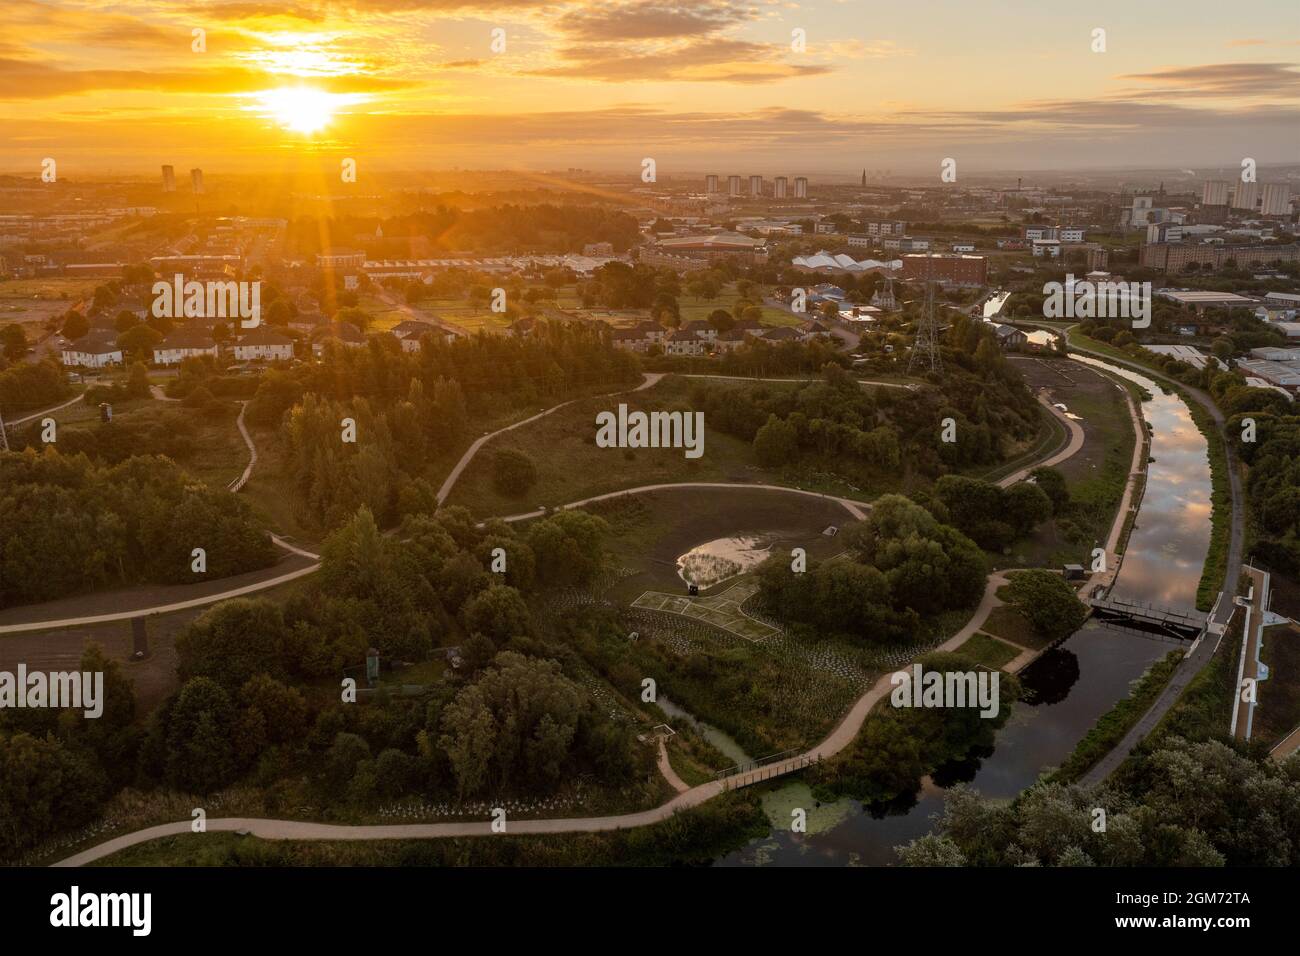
column 300, row 109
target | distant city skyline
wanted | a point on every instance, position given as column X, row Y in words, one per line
column 715, row 86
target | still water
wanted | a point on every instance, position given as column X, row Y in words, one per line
column 1072, row 685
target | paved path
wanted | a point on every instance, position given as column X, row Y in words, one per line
column 839, row 738
column 1203, row 650
column 242, row 480
column 666, row 768
column 907, row 386
column 651, row 378
column 858, row 509
column 1071, row 447
column 55, row 408
column 1248, row 665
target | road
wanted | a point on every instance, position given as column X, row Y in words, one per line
column 1203, row 650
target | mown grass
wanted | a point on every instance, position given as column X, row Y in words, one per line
column 989, row 651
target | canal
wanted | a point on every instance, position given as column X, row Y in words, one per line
column 1069, row 687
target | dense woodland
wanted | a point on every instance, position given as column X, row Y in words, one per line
column 449, row 230
column 260, row 703
column 411, row 410
column 68, row 525
column 1193, row 803
column 903, row 565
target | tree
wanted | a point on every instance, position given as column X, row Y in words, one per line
column 513, row 472
column 569, row 547
column 722, row 320
column 137, row 381
column 13, row 342
column 342, row 759
column 74, row 325
column 931, row 850
column 1054, row 486
column 139, row 341
column 776, row 443
column 499, row 613
column 1026, row 506
column 234, row 642
column 516, row 723
column 200, row 754
column 1048, row 602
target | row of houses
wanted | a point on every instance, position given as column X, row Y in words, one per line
column 99, row 347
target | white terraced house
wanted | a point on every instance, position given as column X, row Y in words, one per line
column 95, row 349
column 181, row 344
column 263, row 345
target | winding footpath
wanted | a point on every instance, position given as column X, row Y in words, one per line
column 242, row 480
column 271, row 578
column 35, row 415
column 687, row 797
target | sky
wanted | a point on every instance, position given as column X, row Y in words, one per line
column 713, row 85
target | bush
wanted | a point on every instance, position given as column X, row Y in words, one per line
column 1048, row 602
column 513, row 472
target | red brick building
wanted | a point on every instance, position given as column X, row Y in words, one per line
column 950, row 270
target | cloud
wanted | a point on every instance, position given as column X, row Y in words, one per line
column 712, row 60
column 653, row 19
column 1220, row 80
column 23, row 79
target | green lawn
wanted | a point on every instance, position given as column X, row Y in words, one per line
column 571, row 467
column 989, row 651
column 1006, row 622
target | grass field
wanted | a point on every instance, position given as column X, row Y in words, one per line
column 51, row 287
column 570, row 467
column 1278, row 712
column 1006, row 622
column 989, row 651
column 1095, row 475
